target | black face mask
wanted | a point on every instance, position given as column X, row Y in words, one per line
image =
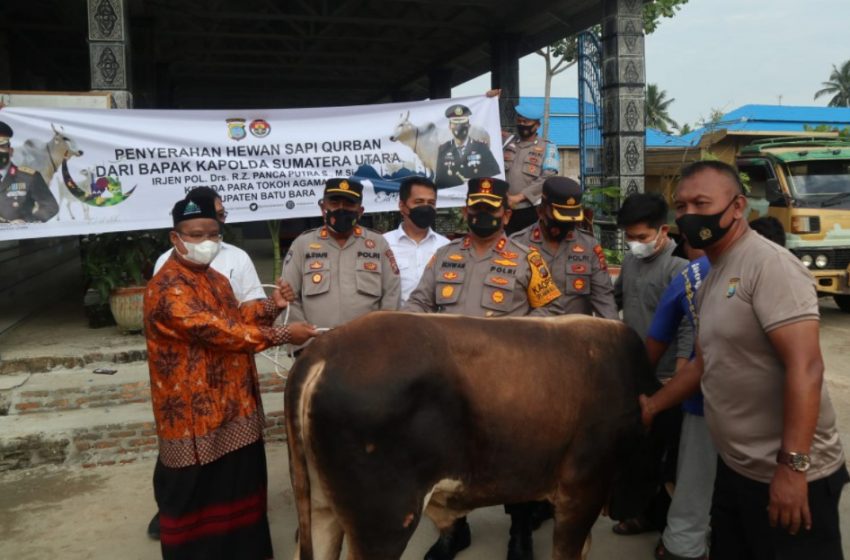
column 557, row 231
column 483, row 224
column 340, row 220
column 525, row 130
column 4, row 159
column 461, row 132
column 703, row 230
column 423, row 216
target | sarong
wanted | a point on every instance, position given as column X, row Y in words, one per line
column 217, row 510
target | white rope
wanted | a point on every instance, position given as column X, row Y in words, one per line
column 273, row 354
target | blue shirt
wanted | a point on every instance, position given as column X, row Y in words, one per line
column 678, row 301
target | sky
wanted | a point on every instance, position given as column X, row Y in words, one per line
column 721, row 54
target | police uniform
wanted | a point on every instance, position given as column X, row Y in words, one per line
column 577, row 263
column 509, row 280
column 24, row 195
column 334, row 284
column 527, row 164
column 457, row 164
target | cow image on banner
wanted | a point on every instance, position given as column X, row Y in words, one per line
column 120, row 170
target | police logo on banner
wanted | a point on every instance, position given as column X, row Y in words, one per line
column 236, row 129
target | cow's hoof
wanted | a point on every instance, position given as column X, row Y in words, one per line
column 153, row 527
column 520, row 547
column 450, row 543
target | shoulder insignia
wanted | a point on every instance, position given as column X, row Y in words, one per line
column 27, row 170
column 323, row 233
column 501, row 244
column 535, row 234
column 455, row 257
column 466, row 242
column 391, row 258
column 358, row 231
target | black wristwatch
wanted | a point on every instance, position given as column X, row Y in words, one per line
column 799, row 462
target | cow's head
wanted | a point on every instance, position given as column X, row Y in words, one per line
column 62, row 147
column 404, row 130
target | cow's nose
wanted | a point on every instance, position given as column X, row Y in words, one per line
column 392, row 138
column 80, row 152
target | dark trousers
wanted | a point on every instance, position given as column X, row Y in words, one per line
column 521, row 218
column 740, row 529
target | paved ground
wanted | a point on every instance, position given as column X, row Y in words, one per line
column 101, row 514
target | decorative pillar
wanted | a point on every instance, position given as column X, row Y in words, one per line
column 504, row 75
column 109, row 56
column 440, row 83
column 624, row 94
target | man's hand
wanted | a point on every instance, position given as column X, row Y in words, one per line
column 789, row 500
column 514, row 199
column 285, row 290
column 647, row 411
column 299, row 333
column 493, row 93
column 279, row 299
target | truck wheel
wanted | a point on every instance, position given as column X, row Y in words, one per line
column 843, row 302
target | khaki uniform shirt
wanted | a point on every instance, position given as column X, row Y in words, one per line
column 510, row 279
column 579, row 269
column 334, row 284
column 527, row 164
column 753, row 288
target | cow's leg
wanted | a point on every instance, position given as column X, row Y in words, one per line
column 454, row 530
column 327, row 534
column 577, row 506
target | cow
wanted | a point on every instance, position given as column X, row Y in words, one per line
column 425, row 140
column 395, row 414
column 47, row 157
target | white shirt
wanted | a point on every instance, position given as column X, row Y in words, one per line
column 412, row 257
column 236, row 266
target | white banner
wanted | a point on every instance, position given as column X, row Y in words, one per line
column 119, row 170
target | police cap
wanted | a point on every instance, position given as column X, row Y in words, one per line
column 346, row 188
column 564, row 196
column 493, row 192
column 529, row 110
column 5, row 134
column 458, row 113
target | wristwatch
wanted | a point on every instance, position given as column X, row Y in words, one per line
column 799, row 462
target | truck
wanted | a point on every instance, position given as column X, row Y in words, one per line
column 803, row 181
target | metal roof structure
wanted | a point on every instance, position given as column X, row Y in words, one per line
column 266, row 53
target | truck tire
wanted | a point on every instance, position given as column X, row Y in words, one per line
column 843, row 303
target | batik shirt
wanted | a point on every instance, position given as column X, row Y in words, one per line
column 204, row 386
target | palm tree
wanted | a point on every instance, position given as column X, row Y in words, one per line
column 838, row 86
column 657, row 105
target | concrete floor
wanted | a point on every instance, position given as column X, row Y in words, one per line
column 101, row 514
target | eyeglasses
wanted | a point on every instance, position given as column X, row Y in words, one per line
column 198, row 237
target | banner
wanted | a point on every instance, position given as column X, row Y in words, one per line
column 78, row 171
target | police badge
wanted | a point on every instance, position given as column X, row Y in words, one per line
column 236, row 129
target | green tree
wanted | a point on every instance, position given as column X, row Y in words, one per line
column 563, row 54
column 838, row 86
column 685, row 129
column 657, row 106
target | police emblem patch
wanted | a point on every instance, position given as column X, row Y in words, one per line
column 317, row 278
column 579, row 284
column 447, row 291
column 486, row 187
column 369, row 244
column 344, row 186
column 370, row 266
column 498, row 296
column 260, row 128
column 236, row 129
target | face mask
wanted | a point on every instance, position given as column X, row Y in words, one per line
column 483, row 224
column 557, row 231
column 423, row 216
column 525, row 130
column 201, row 253
column 341, row 220
column 4, row 159
column 703, row 230
column 643, row 250
column 461, row 132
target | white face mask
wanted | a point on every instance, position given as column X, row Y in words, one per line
column 643, row 250
column 201, row 253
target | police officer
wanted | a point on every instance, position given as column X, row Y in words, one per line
column 462, row 157
column 341, row 270
column 573, row 255
column 24, row 196
column 529, row 159
column 484, row 274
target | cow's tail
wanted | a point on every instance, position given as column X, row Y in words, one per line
column 639, row 472
column 299, row 473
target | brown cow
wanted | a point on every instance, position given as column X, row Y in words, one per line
column 397, row 413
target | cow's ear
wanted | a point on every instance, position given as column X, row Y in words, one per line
column 431, row 126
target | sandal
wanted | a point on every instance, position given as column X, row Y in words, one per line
column 661, row 553
column 633, row 526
